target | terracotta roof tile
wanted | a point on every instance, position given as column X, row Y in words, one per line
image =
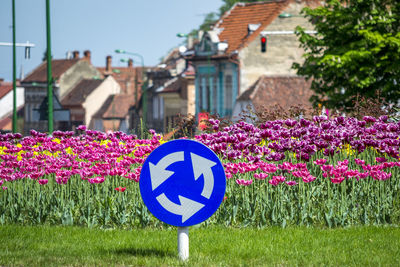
column 5, row 123
column 5, row 88
column 172, row 86
column 79, row 93
column 119, row 106
column 286, row 91
column 234, row 23
column 125, row 76
column 58, row 67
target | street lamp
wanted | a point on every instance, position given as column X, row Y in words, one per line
column 14, row 119
column 49, row 73
column 27, row 55
column 144, row 89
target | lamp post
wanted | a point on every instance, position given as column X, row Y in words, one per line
column 27, row 55
column 49, row 74
column 144, row 89
column 14, row 119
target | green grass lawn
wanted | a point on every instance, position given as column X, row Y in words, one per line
column 209, row 246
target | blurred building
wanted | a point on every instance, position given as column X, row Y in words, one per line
column 170, row 92
column 285, row 91
column 120, row 111
column 86, row 99
column 67, row 73
column 249, row 41
column 7, row 104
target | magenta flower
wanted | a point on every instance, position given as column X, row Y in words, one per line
column 320, row 161
column 260, row 176
column 337, row 180
column 4, row 188
column 380, row 159
column 280, row 179
column 43, row 181
column 244, row 182
column 98, row 180
column 359, row 161
column 308, row 178
column 291, row 183
column 380, row 175
column 326, row 168
column 81, row 128
column 273, row 182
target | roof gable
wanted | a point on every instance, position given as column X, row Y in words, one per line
column 116, row 106
column 233, row 27
column 58, row 68
column 78, row 94
column 286, row 91
column 5, row 88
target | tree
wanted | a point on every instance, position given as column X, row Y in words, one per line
column 356, row 51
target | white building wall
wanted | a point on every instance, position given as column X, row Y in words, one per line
column 95, row 100
column 7, row 103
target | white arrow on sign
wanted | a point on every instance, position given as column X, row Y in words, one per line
column 159, row 173
column 203, row 166
column 187, row 208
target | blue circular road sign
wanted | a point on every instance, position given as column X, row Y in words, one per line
column 182, row 182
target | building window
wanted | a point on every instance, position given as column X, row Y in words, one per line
column 200, row 95
column 228, row 93
column 155, row 107
column 207, row 96
column 161, row 108
column 214, row 95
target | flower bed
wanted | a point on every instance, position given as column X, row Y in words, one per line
column 333, row 172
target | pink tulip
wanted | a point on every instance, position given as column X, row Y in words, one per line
column 291, row 183
column 260, row 176
column 320, row 161
column 244, row 182
column 43, row 181
column 380, row 159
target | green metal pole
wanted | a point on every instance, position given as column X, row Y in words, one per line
column 49, row 74
column 14, row 119
column 144, row 95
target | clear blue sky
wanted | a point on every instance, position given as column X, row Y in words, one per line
column 147, row 27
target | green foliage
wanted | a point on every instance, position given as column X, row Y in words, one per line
column 356, row 51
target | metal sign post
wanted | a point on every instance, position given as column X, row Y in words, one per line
column 183, row 243
column 182, row 183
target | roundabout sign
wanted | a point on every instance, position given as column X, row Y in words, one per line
column 182, row 182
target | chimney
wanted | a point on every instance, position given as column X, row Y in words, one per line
column 108, row 64
column 87, row 55
column 68, row 55
column 190, row 42
column 130, row 63
column 76, row 54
